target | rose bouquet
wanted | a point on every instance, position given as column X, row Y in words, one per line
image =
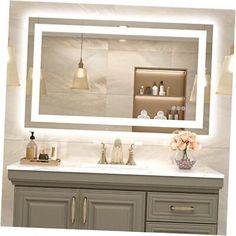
column 184, row 141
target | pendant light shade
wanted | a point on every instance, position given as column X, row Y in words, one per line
column 80, row 80
column 206, row 88
column 43, row 89
column 12, row 74
column 225, row 82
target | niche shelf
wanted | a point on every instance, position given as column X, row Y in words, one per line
column 173, row 78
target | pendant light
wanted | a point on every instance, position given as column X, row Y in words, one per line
column 80, row 80
column 206, row 88
column 43, row 89
column 12, row 74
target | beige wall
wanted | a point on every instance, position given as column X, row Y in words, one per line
column 77, row 145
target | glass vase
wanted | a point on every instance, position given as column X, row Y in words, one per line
column 184, row 159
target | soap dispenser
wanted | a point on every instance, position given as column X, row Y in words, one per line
column 31, row 149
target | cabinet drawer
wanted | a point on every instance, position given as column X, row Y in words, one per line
column 187, row 228
column 182, row 207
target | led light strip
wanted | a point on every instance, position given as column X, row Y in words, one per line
column 121, row 31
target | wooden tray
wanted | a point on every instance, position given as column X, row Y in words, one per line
column 26, row 161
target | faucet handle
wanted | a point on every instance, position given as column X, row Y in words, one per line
column 103, row 159
column 131, row 155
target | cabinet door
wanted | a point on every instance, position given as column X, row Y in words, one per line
column 164, row 227
column 45, row 207
column 112, row 210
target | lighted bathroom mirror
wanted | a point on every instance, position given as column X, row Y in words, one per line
column 112, row 53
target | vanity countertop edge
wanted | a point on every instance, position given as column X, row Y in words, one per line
column 202, row 179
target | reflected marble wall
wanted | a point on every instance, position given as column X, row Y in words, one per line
column 110, row 66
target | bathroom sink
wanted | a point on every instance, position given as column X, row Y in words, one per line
column 114, row 168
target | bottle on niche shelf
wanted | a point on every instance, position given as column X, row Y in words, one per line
column 31, row 148
column 141, row 90
column 170, row 115
column 162, row 89
column 168, row 91
column 176, row 115
column 154, row 89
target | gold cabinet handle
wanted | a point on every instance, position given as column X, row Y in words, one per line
column 182, row 209
column 85, row 210
column 73, row 210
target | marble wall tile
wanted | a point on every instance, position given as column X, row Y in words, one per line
column 121, row 80
column 60, row 64
column 141, row 45
column 119, row 106
column 56, row 41
column 74, row 104
column 185, row 60
column 14, row 115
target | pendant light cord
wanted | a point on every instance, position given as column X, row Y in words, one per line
column 81, row 46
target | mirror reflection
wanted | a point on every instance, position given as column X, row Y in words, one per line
column 117, row 76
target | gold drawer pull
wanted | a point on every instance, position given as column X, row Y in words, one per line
column 85, row 211
column 182, row 209
column 73, row 210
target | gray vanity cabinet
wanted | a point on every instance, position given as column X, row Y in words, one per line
column 182, row 212
column 116, row 202
column 45, row 207
column 112, row 210
column 169, row 227
column 79, row 208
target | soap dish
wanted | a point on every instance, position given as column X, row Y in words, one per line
column 48, row 162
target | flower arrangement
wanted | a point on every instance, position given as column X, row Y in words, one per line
column 184, row 141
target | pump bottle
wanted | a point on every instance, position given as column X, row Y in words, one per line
column 31, row 149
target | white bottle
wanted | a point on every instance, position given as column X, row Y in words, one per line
column 154, row 89
column 141, row 90
column 162, row 91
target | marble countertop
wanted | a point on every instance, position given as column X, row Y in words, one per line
column 197, row 171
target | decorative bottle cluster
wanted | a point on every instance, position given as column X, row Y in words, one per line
column 172, row 114
column 155, row 90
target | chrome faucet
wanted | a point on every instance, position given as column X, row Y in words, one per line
column 131, row 156
column 103, row 159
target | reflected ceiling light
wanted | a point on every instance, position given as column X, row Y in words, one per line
column 206, row 88
column 43, row 89
column 12, row 74
column 226, row 78
column 122, row 40
column 80, row 77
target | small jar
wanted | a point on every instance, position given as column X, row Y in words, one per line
column 148, row 90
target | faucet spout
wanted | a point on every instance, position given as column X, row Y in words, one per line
column 117, row 153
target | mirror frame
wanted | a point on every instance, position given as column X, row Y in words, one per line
column 201, row 35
